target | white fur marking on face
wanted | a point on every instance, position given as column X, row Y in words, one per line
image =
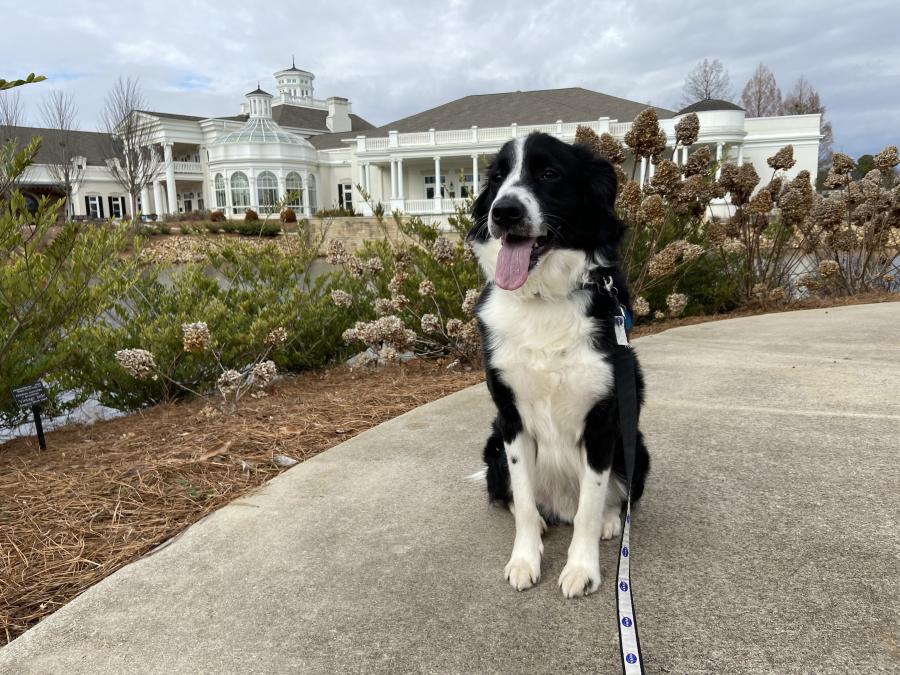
column 513, row 188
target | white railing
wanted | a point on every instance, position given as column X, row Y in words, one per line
column 187, row 167
column 418, row 206
column 491, row 135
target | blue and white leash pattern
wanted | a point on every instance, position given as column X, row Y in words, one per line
column 629, row 643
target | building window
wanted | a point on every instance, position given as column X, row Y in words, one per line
column 311, row 188
column 116, row 207
column 187, row 202
column 93, row 206
column 429, row 186
column 345, row 196
column 294, row 186
column 220, row 191
column 267, row 191
column 240, row 193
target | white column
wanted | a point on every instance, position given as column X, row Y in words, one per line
column 684, row 155
column 652, row 168
column 400, row 178
column 362, row 177
column 305, row 194
column 254, row 201
column 145, row 200
column 643, row 170
column 719, row 147
column 206, row 187
column 437, row 184
column 368, row 177
column 228, row 213
column 393, row 179
column 475, row 181
column 282, row 187
column 159, row 208
column 741, row 155
column 170, row 179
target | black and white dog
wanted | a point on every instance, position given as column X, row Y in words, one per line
column 546, row 235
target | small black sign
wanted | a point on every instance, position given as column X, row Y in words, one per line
column 30, row 395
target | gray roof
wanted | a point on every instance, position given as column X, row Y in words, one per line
column 92, row 145
column 708, row 104
column 544, row 106
column 173, row 116
column 285, row 115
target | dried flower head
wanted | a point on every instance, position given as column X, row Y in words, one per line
column 374, row 266
column 276, row 337
column 629, row 199
column 760, row 290
column 641, row 307
column 761, row 204
column 783, row 159
column 887, row 159
column 836, row 181
column 842, row 164
column 443, row 250
column 829, row 213
column 828, row 268
column 810, row 281
column 399, row 301
column 776, row 294
column 263, row 373
column 430, row 324
column 698, row 162
column 676, row 302
column 796, row 198
column 196, row 336
column 454, row 327
column 426, row 288
column 228, row 382
column 471, row 299
column 643, row 137
column 652, row 211
column 666, row 179
column 588, row 137
column 612, row 149
column 734, row 247
column 395, row 285
column 350, row 335
column 341, row 298
column 356, row 267
column 337, row 254
column 388, row 355
column 138, row 363
column 687, row 129
column 383, row 306
column 658, row 315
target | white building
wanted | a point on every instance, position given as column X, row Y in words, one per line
column 292, row 143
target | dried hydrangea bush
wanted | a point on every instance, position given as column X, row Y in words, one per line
column 421, row 287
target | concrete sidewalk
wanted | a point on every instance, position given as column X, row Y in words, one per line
column 767, row 543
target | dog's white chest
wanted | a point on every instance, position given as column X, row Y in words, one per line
column 542, row 349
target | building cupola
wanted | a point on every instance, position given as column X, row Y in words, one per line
column 259, row 104
column 294, row 83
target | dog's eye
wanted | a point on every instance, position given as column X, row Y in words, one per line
column 550, row 175
column 497, row 177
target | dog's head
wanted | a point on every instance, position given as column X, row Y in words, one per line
column 546, row 213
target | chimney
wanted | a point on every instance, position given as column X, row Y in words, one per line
column 338, row 114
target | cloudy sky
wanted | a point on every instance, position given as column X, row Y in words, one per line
column 393, row 59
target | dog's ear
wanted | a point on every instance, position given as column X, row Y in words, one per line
column 600, row 191
column 480, row 209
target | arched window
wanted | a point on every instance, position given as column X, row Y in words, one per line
column 220, row 191
column 267, row 191
column 240, row 193
column 311, row 188
column 294, row 187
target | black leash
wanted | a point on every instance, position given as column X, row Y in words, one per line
column 626, row 397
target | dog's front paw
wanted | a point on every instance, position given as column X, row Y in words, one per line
column 579, row 579
column 523, row 571
column 611, row 525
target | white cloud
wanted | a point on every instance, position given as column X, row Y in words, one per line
column 398, row 58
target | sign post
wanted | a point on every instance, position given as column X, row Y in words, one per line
column 31, row 396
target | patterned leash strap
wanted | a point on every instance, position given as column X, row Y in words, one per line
column 626, row 395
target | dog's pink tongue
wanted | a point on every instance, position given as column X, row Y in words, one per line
column 512, row 263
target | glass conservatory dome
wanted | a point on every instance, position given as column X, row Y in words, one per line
column 260, row 127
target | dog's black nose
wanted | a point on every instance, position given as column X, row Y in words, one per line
column 507, row 213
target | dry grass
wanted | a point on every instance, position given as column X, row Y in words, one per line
column 101, row 496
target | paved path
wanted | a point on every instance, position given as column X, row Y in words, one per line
column 768, row 542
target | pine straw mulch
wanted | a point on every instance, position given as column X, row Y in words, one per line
column 102, row 496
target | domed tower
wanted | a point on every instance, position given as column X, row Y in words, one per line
column 295, row 84
column 259, row 104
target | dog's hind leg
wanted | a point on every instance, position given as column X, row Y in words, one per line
column 524, row 567
column 497, row 469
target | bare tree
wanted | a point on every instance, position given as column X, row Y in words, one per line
column 804, row 100
column 761, row 96
column 132, row 161
column 12, row 113
column 63, row 145
column 709, row 79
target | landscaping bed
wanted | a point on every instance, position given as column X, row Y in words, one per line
column 102, row 496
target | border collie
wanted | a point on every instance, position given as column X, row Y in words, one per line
column 546, row 235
